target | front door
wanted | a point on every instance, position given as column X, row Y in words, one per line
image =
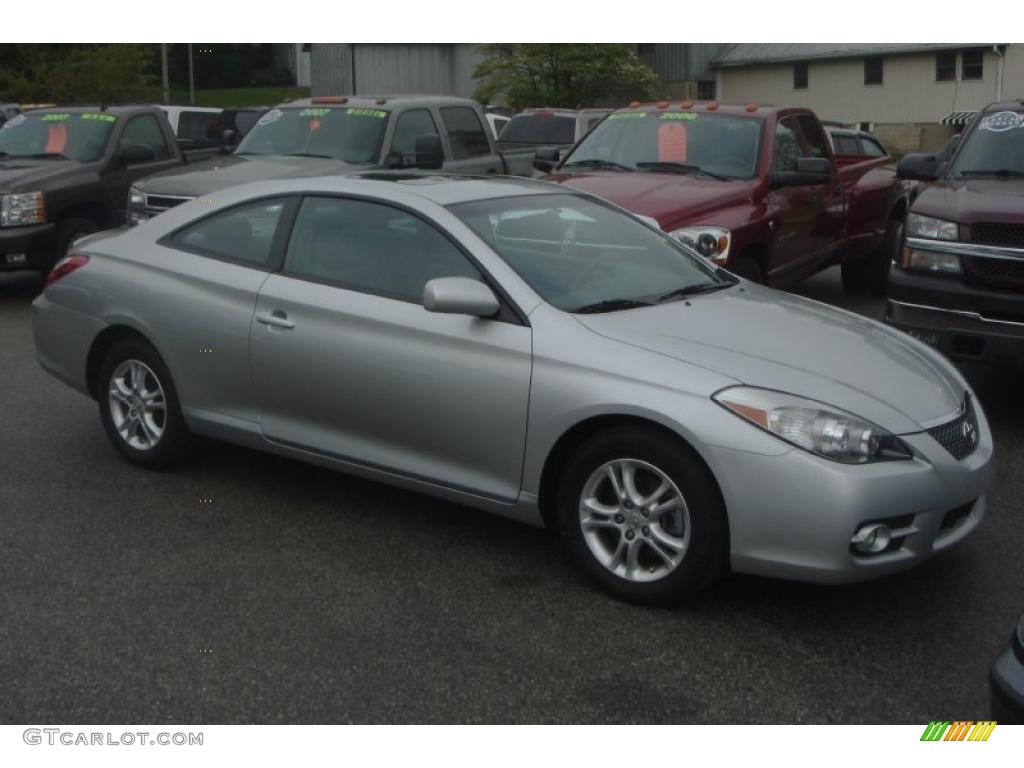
column 346, row 362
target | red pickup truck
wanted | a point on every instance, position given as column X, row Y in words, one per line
column 755, row 189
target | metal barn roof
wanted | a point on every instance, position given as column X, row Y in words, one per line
column 746, row 54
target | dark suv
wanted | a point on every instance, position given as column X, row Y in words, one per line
column 959, row 283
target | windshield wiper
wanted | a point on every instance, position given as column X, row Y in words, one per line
column 692, row 290
column 310, row 154
column 598, row 163
column 1002, row 173
column 47, row 156
column 609, row 305
column 677, row 168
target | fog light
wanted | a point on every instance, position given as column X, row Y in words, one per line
column 872, row 539
column 15, row 258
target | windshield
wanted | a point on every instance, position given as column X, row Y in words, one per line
column 995, row 146
column 349, row 134
column 716, row 144
column 540, row 128
column 582, row 255
column 82, row 136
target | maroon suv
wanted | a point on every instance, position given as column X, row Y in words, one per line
column 753, row 188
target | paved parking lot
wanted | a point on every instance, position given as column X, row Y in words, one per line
column 300, row 595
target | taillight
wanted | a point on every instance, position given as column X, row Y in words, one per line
column 64, row 267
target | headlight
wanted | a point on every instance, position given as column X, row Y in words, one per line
column 136, row 196
column 929, row 261
column 931, row 228
column 26, row 208
column 818, row 428
column 710, row 242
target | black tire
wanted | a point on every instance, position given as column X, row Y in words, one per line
column 870, row 275
column 175, row 442
column 747, row 267
column 69, row 230
column 706, row 556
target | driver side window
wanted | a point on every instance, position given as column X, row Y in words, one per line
column 410, row 126
column 786, row 146
column 145, row 130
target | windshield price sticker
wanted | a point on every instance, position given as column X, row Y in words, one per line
column 627, row 115
column 103, row 118
column 678, row 116
column 1002, row 121
column 271, row 117
column 362, row 112
column 56, row 117
column 314, row 112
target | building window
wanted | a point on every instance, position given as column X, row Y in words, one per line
column 873, row 70
column 972, row 64
column 945, row 67
column 800, row 76
column 705, row 90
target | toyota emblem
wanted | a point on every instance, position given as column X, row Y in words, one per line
column 970, row 432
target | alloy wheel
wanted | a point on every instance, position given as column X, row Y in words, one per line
column 138, row 407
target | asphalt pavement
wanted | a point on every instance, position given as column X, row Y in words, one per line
column 297, row 595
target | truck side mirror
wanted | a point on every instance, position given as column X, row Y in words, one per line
column 429, row 152
column 546, row 159
column 918, row 166
column 809, row 170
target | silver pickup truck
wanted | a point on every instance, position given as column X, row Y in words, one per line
column 333, row 134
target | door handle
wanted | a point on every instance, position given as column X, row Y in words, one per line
column 275, row 319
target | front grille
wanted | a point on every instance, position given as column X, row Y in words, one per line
column 959, row 436
column 998, row 273
column 163, row 202
column 989, row 233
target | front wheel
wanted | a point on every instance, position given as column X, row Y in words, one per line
column 642, row 517
column 139, row 406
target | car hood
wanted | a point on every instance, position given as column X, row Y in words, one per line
column 21, row 175
column 775, row 340
column 969, row 200
column 220, row 172
column 671, row 198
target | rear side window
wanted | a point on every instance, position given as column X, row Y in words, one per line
column 194, row 126
column 372, row 248
column 845, row 145
column 540, row 128
column 872, row 148
column 465, row 133
column 244, row 234
column 145, row 130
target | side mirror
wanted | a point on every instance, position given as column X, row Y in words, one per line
column 136, row 153
column 809, row 170
column 459, row 296
column 546, row 159
column 429, row 152
column 918, row 166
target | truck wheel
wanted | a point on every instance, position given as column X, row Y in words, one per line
column 642, row 517
column 746, row 266
column 69, row 230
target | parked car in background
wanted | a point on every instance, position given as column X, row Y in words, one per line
column 550, row 131
column 497, row 118
column 1006, row 681
column 754, row 189
column 191, row 125
column 959, row 283
column 7, row 111
column 851, row 146
column 333, row 134
column 66, row 172
column 531, row 351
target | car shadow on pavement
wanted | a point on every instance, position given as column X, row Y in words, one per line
column 20, row 285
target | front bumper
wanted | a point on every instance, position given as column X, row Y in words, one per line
column 961, row 320
column 29, row 247
column 793, row 516
column 1006, row 689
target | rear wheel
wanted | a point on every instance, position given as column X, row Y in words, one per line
column 139, row 406
column 642, row 517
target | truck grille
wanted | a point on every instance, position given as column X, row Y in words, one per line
column 157, row 203
column 997, row 273
column 959, row 436
column 989, row 233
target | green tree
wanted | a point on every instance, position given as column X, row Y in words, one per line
column 568, row 75
column 78, row 73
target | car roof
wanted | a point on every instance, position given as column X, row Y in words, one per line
column 116, row 109
column 709, row 107
column 378, row 102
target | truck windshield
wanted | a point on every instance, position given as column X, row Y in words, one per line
column 540, row 128
column 720, row 145
column 581, row 255
column 57, row 135
column 349, row 134
column 994, row 148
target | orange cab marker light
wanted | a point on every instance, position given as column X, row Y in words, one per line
column 329, row 100
column 634, row 104
column 712, row 106
column 751, row 107
column 685, row 104
column 662, row 105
